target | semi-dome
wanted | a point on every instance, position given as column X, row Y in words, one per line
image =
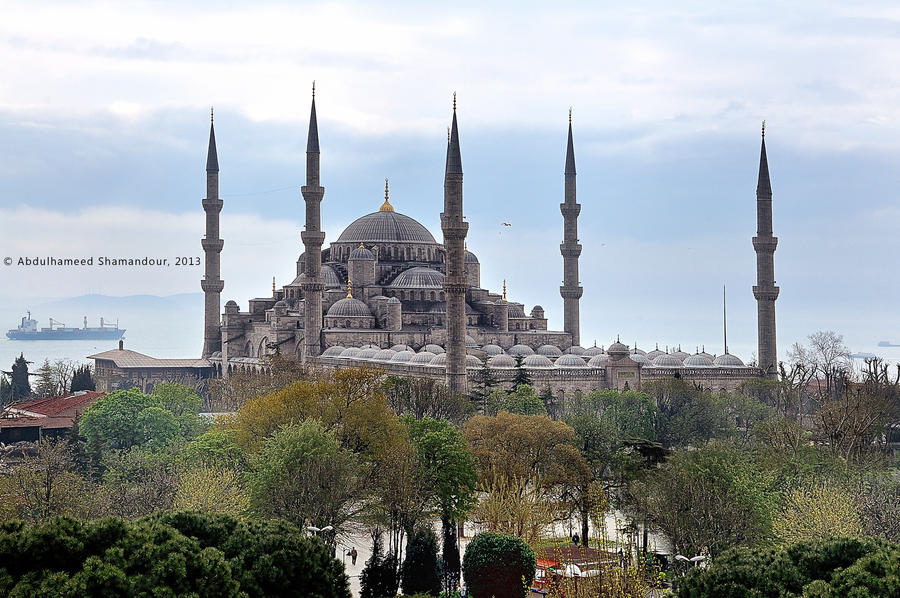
column 350, row 352
column 537, row 361
column 348, row 307
column 386, row 227
column 422, row 358
column 419, row 277
column 470, row 257
column 330, row 276
column 403, row 356
column 502, row 362
column 473, row 362
column 523, row 350
column 548, row 351
column 599, row 361
column 570, row 361
column 698, row 361
column 575, row 350
column 333, row 351
column 492, row 350
column 667, row 361
column 593, row 351
column 361, row 253
column 384, row 355
column 728, row 360
column 435, row 349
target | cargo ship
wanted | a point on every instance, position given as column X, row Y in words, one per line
column 28, row 331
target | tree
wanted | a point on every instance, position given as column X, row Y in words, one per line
column 522, row 400
column 424, row 397
column 709, row 499
column 450, row 564
column 44, row 485
column 419, row 573
column 211, row 490
column 498, row 566
column 5, row 390
column 216, row 448
column 21, row 387
column 522, row 376
column 379, row 576
column 815, row 512
column 304, row 476
column 850, row 424
column 140, row 481
column 520, row 507
column 82, row 379
column 687, row 415
column 485, row 382
column 821, row 567
column 827, row 358
column 878, row 502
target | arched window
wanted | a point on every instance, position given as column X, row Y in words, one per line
column 432, row 295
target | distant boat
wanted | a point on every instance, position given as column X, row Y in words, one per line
column 887, row 344
column 28, row 331
column 863, row 355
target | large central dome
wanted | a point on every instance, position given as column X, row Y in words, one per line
column 385, row 227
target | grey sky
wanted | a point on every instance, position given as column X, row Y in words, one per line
column 103, row 123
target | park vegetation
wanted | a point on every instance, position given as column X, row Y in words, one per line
column 767, row 478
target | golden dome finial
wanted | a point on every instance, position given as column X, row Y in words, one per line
column 350, row 287
column 504, row 289
column 362, row 245
column 386, row 206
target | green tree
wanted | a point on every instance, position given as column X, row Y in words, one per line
column 140, row 481
column 817, row 511
column 498, row 566
column 709, row 499
column 522, row 400
column 211, row 490
column 21, row 386
column 419, row 573
column 82, row 379
column 303, row 475
column 217, row 448
column 522, row 377
column 379, row 576
column 687, row 415
column 450, row 562
column 5, row 390
column 485, row 382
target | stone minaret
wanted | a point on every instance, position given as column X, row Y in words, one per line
column 211, row 283
column 312, row 283
column 455, row 229
column 765, row 290
column 570, row 291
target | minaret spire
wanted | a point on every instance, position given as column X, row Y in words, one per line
column 312, row 284
column 212, row 283
column 455, row 283
column 570, row 290
column 765, row 291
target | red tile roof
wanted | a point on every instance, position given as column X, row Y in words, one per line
column 71, row 404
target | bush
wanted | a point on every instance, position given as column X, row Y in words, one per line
column 859, row 567
column 499, row 566
column 420, row 574
column 173, row 554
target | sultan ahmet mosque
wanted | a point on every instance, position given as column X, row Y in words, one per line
column 386, row 293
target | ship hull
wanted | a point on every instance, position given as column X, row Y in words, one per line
column 80, row 334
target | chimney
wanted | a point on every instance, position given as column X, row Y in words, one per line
column 121, row 345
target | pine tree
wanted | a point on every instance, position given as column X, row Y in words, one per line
column 379, row 577
column 485, row 381
column 45, row 386
column 21, row 387
column 549, row 401
column 83, row 379
column 419, row 574
column 5, row 390
column 450, row 566
column 522, row 375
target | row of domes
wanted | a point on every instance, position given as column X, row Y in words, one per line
column 545, row 357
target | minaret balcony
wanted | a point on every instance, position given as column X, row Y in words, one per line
column 765, row 244
column 766, row 293
column 212, row 205
column 312, row 237
column 570, row 249
column 212, row 286
column 571, row 293
column 570, row 209
column 213, row 245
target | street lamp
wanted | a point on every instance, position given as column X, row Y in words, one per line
column 318, row 530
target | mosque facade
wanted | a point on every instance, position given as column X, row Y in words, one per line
column 387, row 293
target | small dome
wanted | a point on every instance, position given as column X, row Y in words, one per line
column 334, row 351
column 570, row 361
column 707, row 355
column 348, row 307
column 523, row 350
column 435, row 349
column 470, row 257
column 593, row 351
column 548, row 351
column 537, row 361
column 618, row 348
column 350, row 352
column 361, row 253
column 231, row 303
column 402, row 348
column 728, row 360
column 281, row 303
column 470, row 342
column 367, row 353
column 599, row 361
column 698, row 361
column 667, row 361
column 422, row 358
column 331, row 278
column 419, row 277
column 384, row 355
column 639, row 352
column 638, row 358
column 681, row 355
column 393, row 300
column 473, row 362
column 575, row 350
column 654, row 354
column 502, row 362
column 439, row 360
column 402, row 356
column 492, row 350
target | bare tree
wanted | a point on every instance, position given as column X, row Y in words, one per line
column 827, row 358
